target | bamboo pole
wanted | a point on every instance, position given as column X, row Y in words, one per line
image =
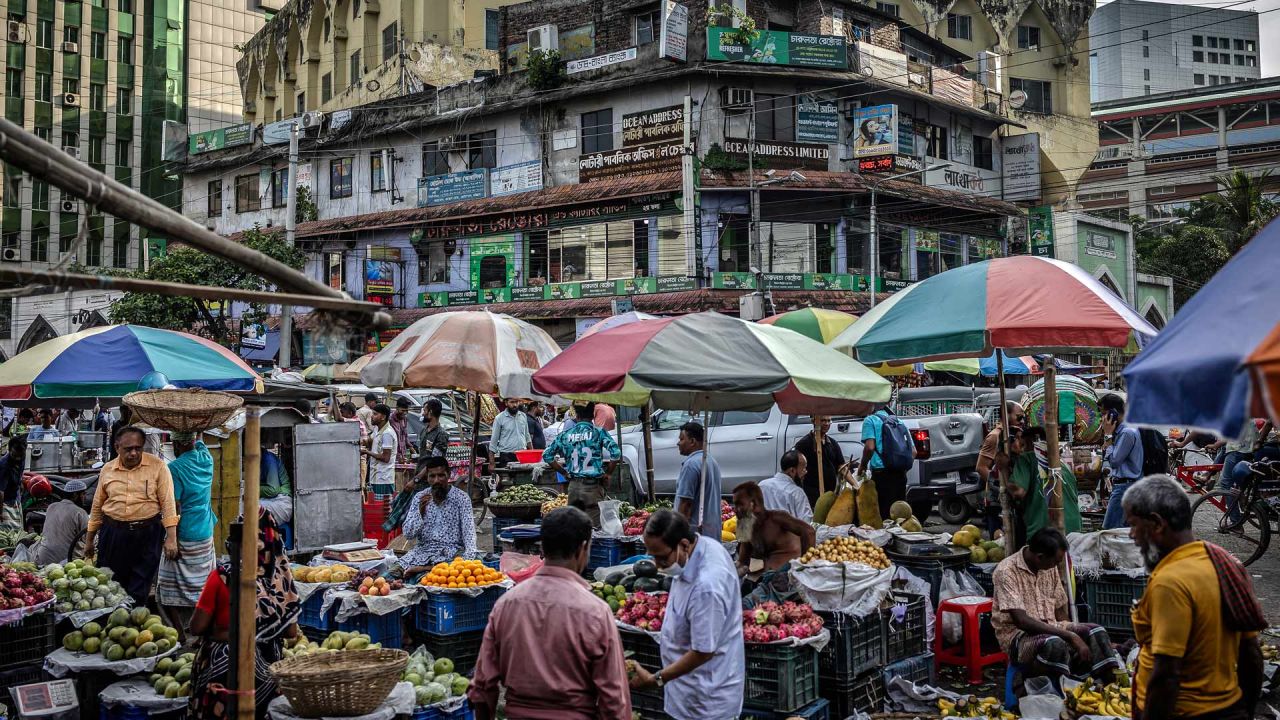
column 648, row 448
column 475, row 443
column 1051, row 429
column 617, row 426
column 246, row 624
column 818, row 439
column 1006, row 504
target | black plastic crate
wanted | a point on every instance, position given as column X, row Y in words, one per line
column 311, row 617
column 782, row 677
column 1110, row 599
column 453, row 613
column 857, row 645
column 983, row 579
column 862, row 694
column 20, row 675
column 907, row 637
column 27, row 640
column 931, row 570
column 918, row 669
column 463, row 649
column 817, row 710
column 648, row 705
column 643, row 648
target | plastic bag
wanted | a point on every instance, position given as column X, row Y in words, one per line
column 904, row 579
column 1040, row 707
column 956, row 583
column 520, row 567
column 847, row 587
column 609, row 523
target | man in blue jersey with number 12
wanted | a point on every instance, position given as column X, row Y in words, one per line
column 586, row 455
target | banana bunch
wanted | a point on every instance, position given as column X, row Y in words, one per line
column 558, row 501
column 1091, row 698
column 1270, row 652
column 974, row 706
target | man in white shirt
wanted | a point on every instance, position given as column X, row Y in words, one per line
column 382, row 451
column 783, row 491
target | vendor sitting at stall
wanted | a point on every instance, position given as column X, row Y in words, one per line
column 1032, row 621
column 768, row 540
column 274, row 491
column 65, row 525
column 440, row 520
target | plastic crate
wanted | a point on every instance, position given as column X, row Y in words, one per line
column 453, row 613
column 311, row 617
column 466, row 712
column 606, row 552
column 463, row 649
column 930, row 570
column 644, row 649
column 817, row 710
column 382, row 538
column 857, row 645
column 983, row 578
column 1110, row 599
column 782, row 677
column 500, row 524
column 907, row 637
column 21, row 675
column 27, row 640
column 374, row 513
column 918, row 669
column 649, row 706
column 384, row 629
column 313, row 634
column 862, row 694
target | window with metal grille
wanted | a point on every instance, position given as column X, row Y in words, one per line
column 959, row 27
column 597, row 131
column 247, row 197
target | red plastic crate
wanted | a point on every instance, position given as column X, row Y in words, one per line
column 375, row 513
column 382, row 537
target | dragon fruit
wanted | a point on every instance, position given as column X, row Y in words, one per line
column 760, row 616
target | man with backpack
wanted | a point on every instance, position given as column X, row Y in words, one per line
column 888, row 454
column 1123, row 456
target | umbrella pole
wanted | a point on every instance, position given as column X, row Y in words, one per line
column 475, row 443
column 647, row 414
column 617, row 426
column 247, row 587
column 1006, row 504
column 1051, row 429
column 817, row 445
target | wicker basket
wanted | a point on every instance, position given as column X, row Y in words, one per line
column 521, row 511
column 188, row 410
column 341, row 684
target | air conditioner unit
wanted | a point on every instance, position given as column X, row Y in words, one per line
column 15, row 31
column 69, row 206
column 312, row 119
column 70, row 47
column 544, row 37
column 736, row 98
column 70, row 100
column 72, row 150
column 11, row 255
column 450, row 143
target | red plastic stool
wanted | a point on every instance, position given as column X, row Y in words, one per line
column 969, row 651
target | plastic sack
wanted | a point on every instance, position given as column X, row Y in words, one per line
column 610, row 525
column 851, row 588
column 904, row 579
column 1039, row 686
column 956, row 583
column 1096, row 552
column 1040, row 707
column 520, row 567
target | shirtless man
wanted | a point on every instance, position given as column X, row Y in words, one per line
column 773, row 536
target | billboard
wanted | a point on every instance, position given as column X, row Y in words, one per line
column 875, row 130
column 1021, row 162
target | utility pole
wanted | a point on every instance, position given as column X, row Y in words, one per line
column 290, row 237
column 756, row 255
column 688, row 190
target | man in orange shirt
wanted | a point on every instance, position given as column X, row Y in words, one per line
column 134, row 510
column 1198, row 619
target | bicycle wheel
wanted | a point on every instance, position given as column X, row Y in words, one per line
column 1246, row 537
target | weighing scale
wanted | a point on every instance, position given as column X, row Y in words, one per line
column 50, row 699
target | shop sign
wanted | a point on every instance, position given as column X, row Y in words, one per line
column 654, row 126
column 875, row 130
column 600, row 61
column 339, row 119
column 877, row 164
column 808, row 281
column 778, row 47
column 495, row 295
column 733, row 281
column 453, row 187
column 562, row 291
column 783, row 155
column 1100, row 245
column 526, row 220
column 379, row 270
column 622, row 306
column 971, row 180
column 462, row 297
column 818, row 122
column 512, row 179
column 674, row 41
column 433, row 299
column 635, row 286
column 636, row 160
column 893, row 285
column 505, row 249
column 211, row 140
column 596, row 288
column 906, row 135
column 675, row 283
column 532, row 292
column 1040, row 230
column 253, row 335
column 277, row 133
column 1020, row 156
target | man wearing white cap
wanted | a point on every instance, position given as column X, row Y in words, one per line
column 65, row 523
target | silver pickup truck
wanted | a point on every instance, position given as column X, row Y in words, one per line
column 748, row 446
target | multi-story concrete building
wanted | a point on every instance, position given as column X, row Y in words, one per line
column 1148, row 48
column 1159, row 153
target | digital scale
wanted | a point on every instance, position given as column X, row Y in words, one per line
column 352, row 552
column 46, row 699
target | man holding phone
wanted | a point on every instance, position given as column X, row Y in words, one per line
column 1122, row 456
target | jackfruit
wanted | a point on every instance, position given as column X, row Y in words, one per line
column 869, row 505
column 911, row 524
column 823, row 507
column 900, row 510
column 842, row 509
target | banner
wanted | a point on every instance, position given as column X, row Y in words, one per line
column 778, row 47
column 635, row 160
column 1021, row 156
column 817, row 122
column 211, row 140
column 733, row 281
column 875, row 130
column 512, row 179
column 674, row 40
column 1040, row 230
column 782, row 155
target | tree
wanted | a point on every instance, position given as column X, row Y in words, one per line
column 195, row 267
column 1190, row 254
column 1240, row 209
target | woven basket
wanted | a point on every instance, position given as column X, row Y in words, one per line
column 522, row 511
column 339, row 684
column 188, row 410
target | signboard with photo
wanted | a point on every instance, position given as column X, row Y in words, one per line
column 665, row 123
column 1040, row 230
column 674, row 40
column 733, row 281
column 562, row 291
column 778, row 47
column 211, row 140
column 817, row 122
column 489, row 296
column 875, row 130
column 253, row 335
column 636, row 286
column 482, row 251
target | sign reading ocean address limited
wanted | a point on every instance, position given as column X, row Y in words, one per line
column 782, row 155
column 653, row 126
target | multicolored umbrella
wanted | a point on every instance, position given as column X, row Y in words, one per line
column 1020, row 304
column 1013, row 365
column 109, row 361
column 1077, row 403
column 1217, row 363
column 709, row 361
column 614, row 321
column 468, row 350
column 814, row 323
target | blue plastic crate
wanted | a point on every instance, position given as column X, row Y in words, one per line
column 500, row 524
column 918, row 669
column 311, row 617
column 453, row 613
column 384, row 629
column 817, row 710
column 607, row 552
column 466, row 712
